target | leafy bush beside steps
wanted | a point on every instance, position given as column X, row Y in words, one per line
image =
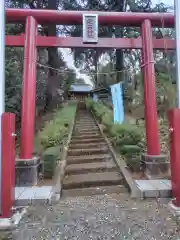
column 125, row 138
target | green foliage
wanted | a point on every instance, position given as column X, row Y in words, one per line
column 125, row 138
column 107, row 75
column 125, row 134
column 130, row 150
column 13, row 73
column 165, row 90
column 14, row 64
column 107, row 119
column 88, row 58
column 134, row 162
column 69, row 79
column 55, row 131
column 49, row 161
column 89, row 103
column 53, row 136
column 102, row 113
column 37, row 146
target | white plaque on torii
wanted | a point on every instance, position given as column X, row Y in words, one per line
column 90, row 28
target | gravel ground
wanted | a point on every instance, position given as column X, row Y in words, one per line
column 99, row 217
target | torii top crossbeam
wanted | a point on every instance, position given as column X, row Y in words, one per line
column 104, row 18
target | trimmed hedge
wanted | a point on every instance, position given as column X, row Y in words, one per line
column 126, row 138
column 49, row 160
column 53, row 137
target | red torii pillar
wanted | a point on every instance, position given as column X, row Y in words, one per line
column 27, row 165
column 152, row 136
column 29, row 90
column 156, row 164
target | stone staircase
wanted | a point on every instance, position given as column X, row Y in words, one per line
column 90, row 168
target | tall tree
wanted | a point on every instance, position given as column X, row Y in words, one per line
column 54, row 57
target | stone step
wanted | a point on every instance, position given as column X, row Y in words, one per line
column 89, row 140
column 88, row 120
column 100, row 190
column 87, row 129
column 83, row 118
column 79, row 133
column 88, row 158
column 90, row 167
column 93, row 131
column 92, row 179
column 83, row 114
column 87, row 145
column 91, row 151
column 85, row 136
column 86, row 125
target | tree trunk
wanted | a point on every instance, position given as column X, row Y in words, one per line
column 119, row 53
column 119, row 65
column 54, row 62
column 96, row 67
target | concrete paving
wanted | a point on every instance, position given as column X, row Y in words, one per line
column 30, row 195
column 154, row 188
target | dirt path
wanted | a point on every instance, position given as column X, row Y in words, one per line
column 99, row 217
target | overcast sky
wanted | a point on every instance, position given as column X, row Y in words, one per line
column 169, row 2
column 68, row 57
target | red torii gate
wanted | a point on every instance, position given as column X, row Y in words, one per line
column 31, row 41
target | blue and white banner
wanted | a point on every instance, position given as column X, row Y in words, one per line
column 95, row 97
column 117, row 100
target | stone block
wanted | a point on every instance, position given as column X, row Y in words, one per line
column 27, row 172
column 164, row 189
column 147, row 189
column 156, row 167
column 32, row 195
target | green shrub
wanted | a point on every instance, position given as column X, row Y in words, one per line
column 125, row 134
column 37, row 146
column 126, row 138
column 89, row 103
column 49, row 160
column 130, row 150
column 134, row 163
column 98, row 109
column 53, row 135
column 107, row 118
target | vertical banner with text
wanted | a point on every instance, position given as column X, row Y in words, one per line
column 117, row 100
column 95, row 97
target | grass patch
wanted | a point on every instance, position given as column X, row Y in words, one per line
column 56, row 131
